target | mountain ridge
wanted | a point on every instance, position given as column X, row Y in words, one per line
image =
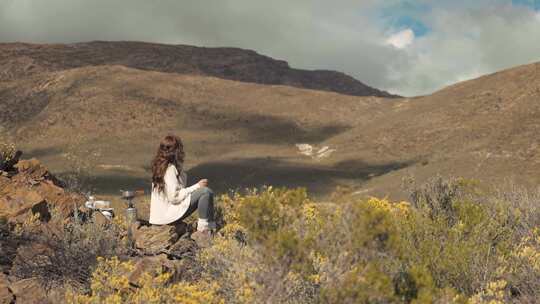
column 24, row 59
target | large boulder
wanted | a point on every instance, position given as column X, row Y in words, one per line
column 32, row 169
column 29, row 291
column 34, row 190
column 166, row 248
column 184, row 247
column 6, row 297
column 153, row 240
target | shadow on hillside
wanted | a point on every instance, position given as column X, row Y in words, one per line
column 256, row 172
column 109, row 184
column 250, row 127
column 258, row 128
column 42, row 152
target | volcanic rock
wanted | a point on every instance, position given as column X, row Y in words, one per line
column 6, row 297
column 29, row 291
column 185, row 246
column 34, row 191
column 152, row 240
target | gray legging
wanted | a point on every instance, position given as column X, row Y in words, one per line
column 202, row 199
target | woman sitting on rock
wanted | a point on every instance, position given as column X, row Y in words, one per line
column 171, row 199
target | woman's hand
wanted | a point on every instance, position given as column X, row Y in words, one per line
column 203, row 183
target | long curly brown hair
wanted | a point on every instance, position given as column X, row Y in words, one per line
column 170, row 151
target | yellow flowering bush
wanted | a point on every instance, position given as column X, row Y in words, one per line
column 264, row 212
column 119, row 220
column 521, row 267
column 7, row 151
column 452, row 243
column 494, row 293
column 260, row 248
column 111, row 284
column 528, row 250
column 233, row 265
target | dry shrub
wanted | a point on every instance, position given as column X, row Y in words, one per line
column 525, row 203
column 67, row 254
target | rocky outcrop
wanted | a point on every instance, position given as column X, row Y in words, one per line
column 32, row 190
column 25, row 291
column 29, row 260
column 6, row 296
column 153, row 240
column 182, row 248
column 29, row 291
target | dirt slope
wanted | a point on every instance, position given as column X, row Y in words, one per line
column 109, row 119
column 486, row 128
column 113, row 117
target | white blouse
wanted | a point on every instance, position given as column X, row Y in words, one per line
column 172, row 203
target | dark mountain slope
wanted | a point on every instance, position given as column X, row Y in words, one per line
column 21, row 60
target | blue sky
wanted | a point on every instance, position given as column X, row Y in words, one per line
column 443, row 42
column 408, row 13
column 528, row 3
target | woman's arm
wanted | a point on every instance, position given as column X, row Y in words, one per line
column 175, row 191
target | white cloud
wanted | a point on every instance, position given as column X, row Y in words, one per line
column 401, row 39
column 466, row 43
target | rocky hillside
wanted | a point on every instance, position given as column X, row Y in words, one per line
column 21, row 60
column 100, row 113
column 485, row 128
column 28, row 196
column 48, row 240
column 110, row 118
